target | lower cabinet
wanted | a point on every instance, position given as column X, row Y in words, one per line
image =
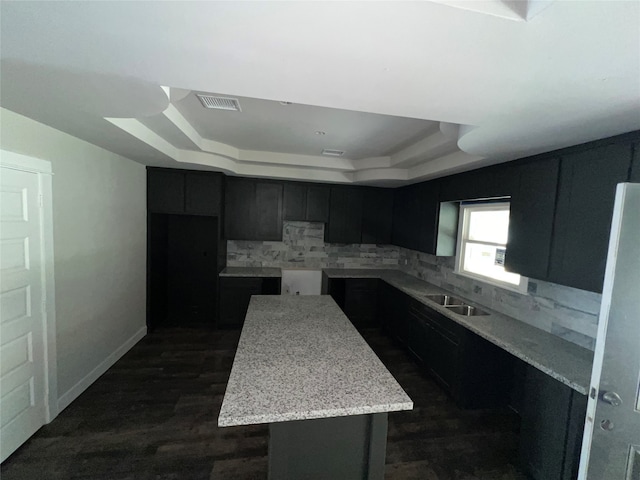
column 553, row 418
column 475, row 372
column 394, row 312
column 358, row 299
column 235, row 294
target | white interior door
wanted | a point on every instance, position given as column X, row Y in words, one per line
column 611, row 447
column 22, row 359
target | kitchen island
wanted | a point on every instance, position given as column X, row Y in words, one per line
column 304, row 369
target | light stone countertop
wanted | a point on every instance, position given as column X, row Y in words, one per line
column 562, row 360
column 251, row 272
column 299, row 358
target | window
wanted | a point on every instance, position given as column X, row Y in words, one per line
column 482, row 244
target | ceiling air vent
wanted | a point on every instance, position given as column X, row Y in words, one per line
column 219, row 103
column 332, row 153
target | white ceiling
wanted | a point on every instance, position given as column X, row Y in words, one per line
column 271, row 126
column 474, row 86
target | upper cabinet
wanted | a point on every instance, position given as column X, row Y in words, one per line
column 345, row 215
column 253, row 209
column 165, row 191
column 489, row 182
column 635, row 167
column 531, row 218
column 415, row 217
column 182, row 192
column 377, row 215
column 304, row 202
column 584, row 209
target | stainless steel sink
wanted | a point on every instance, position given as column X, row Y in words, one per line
column 466, row 310
column 445, row 300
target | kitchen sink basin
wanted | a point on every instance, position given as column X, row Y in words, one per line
column 446, row 300
column 466, row 310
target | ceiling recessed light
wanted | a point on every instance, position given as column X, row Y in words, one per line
column 320, row 132
column 332, row 153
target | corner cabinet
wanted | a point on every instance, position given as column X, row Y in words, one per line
column 253, row 210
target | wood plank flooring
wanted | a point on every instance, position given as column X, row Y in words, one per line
column 153, row 415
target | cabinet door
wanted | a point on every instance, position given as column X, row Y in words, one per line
column 406, row 212
column 203, row 194
column 268, row 211
column 429, row 207
column 531, row 219
column 165, row 191
column 345, row 215
column 238, row 212
column 361, row 301
column 377, row 215
column 543, row 433
column 295, row 202
column 317, row 204
column 583, row 214
column 235, row 294
column 417, row 338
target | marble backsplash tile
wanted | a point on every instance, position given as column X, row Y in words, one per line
column 303, row 246
column 567, row 312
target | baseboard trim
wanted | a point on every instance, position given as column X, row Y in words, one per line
column 74, row 392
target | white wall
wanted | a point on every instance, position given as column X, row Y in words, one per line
column 99, row 220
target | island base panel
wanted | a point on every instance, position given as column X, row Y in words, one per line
column 352, row 447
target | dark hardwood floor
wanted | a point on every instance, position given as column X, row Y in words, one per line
column 153, row 415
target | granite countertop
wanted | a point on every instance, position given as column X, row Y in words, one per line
column 299, row 358
column 562, row 360
column 251, row 272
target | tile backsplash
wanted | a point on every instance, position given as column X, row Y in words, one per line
column 567, row 312
column 303, row 246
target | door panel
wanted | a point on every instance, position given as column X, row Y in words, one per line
column 22, row 371
column 613, row 418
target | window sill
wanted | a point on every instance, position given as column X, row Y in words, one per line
column 521, row 289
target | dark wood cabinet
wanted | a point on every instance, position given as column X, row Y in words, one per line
column 377, row 215
column 357, row 297
column 475, row 372
column 303, row 202
column 531, row 217
column 635, row 167
column 267, row 211
column 552, row 424
column 345, row 215
column 235, row 294
column 361, row 301
column 394, row 312
column 253, row 210
column 203, row 193
column 165, row 191
column 489, row 182
column 584, row 209
column 415, row 217
column 183, row 192
column 317, row 203
column 295, row 202
column 406, row 211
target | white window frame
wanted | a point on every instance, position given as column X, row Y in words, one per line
column 463, row 234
